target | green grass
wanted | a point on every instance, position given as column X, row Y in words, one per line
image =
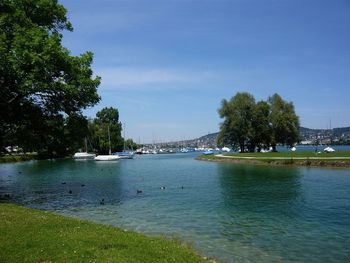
column 28, row 235
column 336, row 159
column 273, row 155
column 18, row 158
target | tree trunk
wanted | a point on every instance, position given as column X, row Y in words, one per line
column 274, row 147
column 241, row 146
column 252, row 147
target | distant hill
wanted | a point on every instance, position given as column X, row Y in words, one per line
column 210, row 136
column 337, row 135
column 335, row 132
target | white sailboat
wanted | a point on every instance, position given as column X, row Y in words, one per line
column 84, row 155
column 109, row 157
column 329, row 150
column 125, row 154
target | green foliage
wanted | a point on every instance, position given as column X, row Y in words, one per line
column 41, row 83
column 18, row 158
column 130, row 144
column 29, row 235
column 284, row 122
column 252, row 125
column 261, row 129
column 107, row 120
column 238, row 113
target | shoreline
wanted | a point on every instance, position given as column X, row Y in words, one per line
column 15, row 158
column 280, row 161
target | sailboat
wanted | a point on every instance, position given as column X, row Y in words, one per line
column 108, row 157
column 84, row 155
column 125, row 154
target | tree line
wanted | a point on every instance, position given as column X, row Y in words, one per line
column 253, row 126
column 107, row 121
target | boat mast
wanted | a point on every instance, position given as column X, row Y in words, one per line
column 124, row 136
column 109, row 139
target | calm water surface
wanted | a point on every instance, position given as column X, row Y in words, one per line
column 235, row 213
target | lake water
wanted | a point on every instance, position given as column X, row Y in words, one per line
column 234, row 213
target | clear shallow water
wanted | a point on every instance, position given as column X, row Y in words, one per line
column 235, row 213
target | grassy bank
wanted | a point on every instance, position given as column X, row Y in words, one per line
column 29, row 235
column 18, row 158
column 336, row 159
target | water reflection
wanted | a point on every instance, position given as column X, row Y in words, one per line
column 260, row 207
column 260, row 189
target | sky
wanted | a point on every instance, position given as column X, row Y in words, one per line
column 167, row 65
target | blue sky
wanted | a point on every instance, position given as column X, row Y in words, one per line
column 166, row 65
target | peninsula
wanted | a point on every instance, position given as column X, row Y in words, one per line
column 336, row 159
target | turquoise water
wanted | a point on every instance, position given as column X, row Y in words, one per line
column 234, row 213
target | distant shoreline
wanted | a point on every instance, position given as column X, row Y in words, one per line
column 330, row 162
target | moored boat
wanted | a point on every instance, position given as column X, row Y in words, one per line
column 84, row 155
column 329, row 149
column 107, row 157
column 208, row 152
column 125, row 155
column 110, row 156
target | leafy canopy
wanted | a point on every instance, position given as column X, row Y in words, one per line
column 106, row 119
column 250, row 125
column 40, row 81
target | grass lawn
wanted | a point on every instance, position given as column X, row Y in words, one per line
column 28, row 235
column 336, row 159
column 296, row 154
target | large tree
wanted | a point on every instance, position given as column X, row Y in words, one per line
column 106, row 121
column 41, row 83
column 261, row 128
column 251, row 125
column 284, row 122
column 236, row 129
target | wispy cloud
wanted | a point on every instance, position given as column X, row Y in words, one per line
column 119, row 77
